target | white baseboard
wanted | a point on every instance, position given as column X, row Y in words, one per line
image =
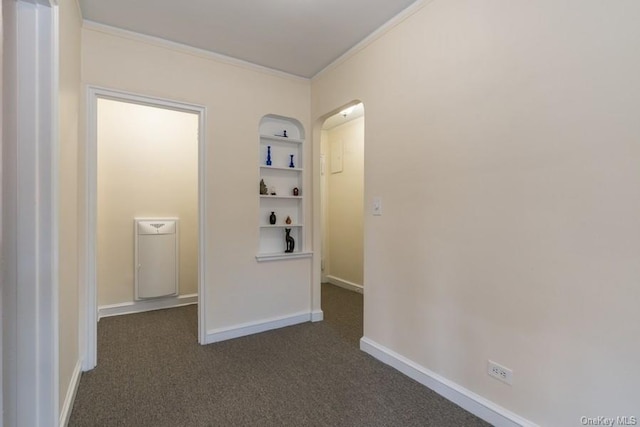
column 251, row 328
column 468, row 400
column 345, row 284
column 146, row 305
column 317, row 316
column 67, row 406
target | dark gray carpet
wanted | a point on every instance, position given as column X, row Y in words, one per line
column 152, row 372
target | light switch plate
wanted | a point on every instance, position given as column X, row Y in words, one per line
column 376, row 206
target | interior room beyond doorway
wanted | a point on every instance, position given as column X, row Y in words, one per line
column 342, row 198
column 147, row 168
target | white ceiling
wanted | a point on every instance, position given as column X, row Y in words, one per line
column 299, row 37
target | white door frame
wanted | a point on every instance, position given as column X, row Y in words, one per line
column 30, row 214
column 90, row 298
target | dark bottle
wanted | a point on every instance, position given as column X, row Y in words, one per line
column 272, row 218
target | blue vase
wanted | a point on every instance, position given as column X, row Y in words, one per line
column 291, row 165
column 268, row 155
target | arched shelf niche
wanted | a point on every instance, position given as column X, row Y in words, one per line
column 281, row 169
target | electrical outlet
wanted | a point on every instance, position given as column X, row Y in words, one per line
column 499, row 372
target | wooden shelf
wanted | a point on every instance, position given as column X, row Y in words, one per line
column 277, row 168
column 267, row 196
column 282, row 256
column 281, row 139
column 280, row 225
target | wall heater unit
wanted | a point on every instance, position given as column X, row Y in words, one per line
column 156, row 258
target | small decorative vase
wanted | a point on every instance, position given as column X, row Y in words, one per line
column 268, row 155
column 296, row 191
column 288, row 220
column 284, row 133
column 291, row 165
column 272, row 218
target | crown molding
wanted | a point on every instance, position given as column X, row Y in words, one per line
column 186, row 49
column 385, row 28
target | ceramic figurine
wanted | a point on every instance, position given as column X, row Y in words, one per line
column 284, row 133
column 263, row 187
column 291, row 165
column 289, row 241
column 296, row 191
column 288, row 220
column 268, row 155
column 272, row 218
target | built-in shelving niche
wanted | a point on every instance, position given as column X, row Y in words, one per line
column 281, row 178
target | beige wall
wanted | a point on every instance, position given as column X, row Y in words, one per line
column 323, row 200
column 503, row 139
column 239, row 290
column 344, row 204
column 147, row 168
column 69, row 318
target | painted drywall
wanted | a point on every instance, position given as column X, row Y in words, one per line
column 147, row 168
column 502, row 138
column 2, row 340
column 239, row 290
column 10, row 269
column 343, row 255
column 69, row 113
column 323, row 199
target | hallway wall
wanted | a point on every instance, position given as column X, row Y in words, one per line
column 68, row 205
column 503, row 139
column 240, row 290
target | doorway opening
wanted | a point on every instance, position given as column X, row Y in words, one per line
column 342, row 218
column 145, row 167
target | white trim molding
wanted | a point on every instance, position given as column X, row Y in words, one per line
column 90, row 309
column 466, row 399
column 67, row 405
column 132, row 307
column 244, row 329
column 385, row 28
column 29, row 217
column 186, row 49
column 345, row 284
column 317, row 316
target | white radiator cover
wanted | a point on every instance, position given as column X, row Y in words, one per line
column 156, row 257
